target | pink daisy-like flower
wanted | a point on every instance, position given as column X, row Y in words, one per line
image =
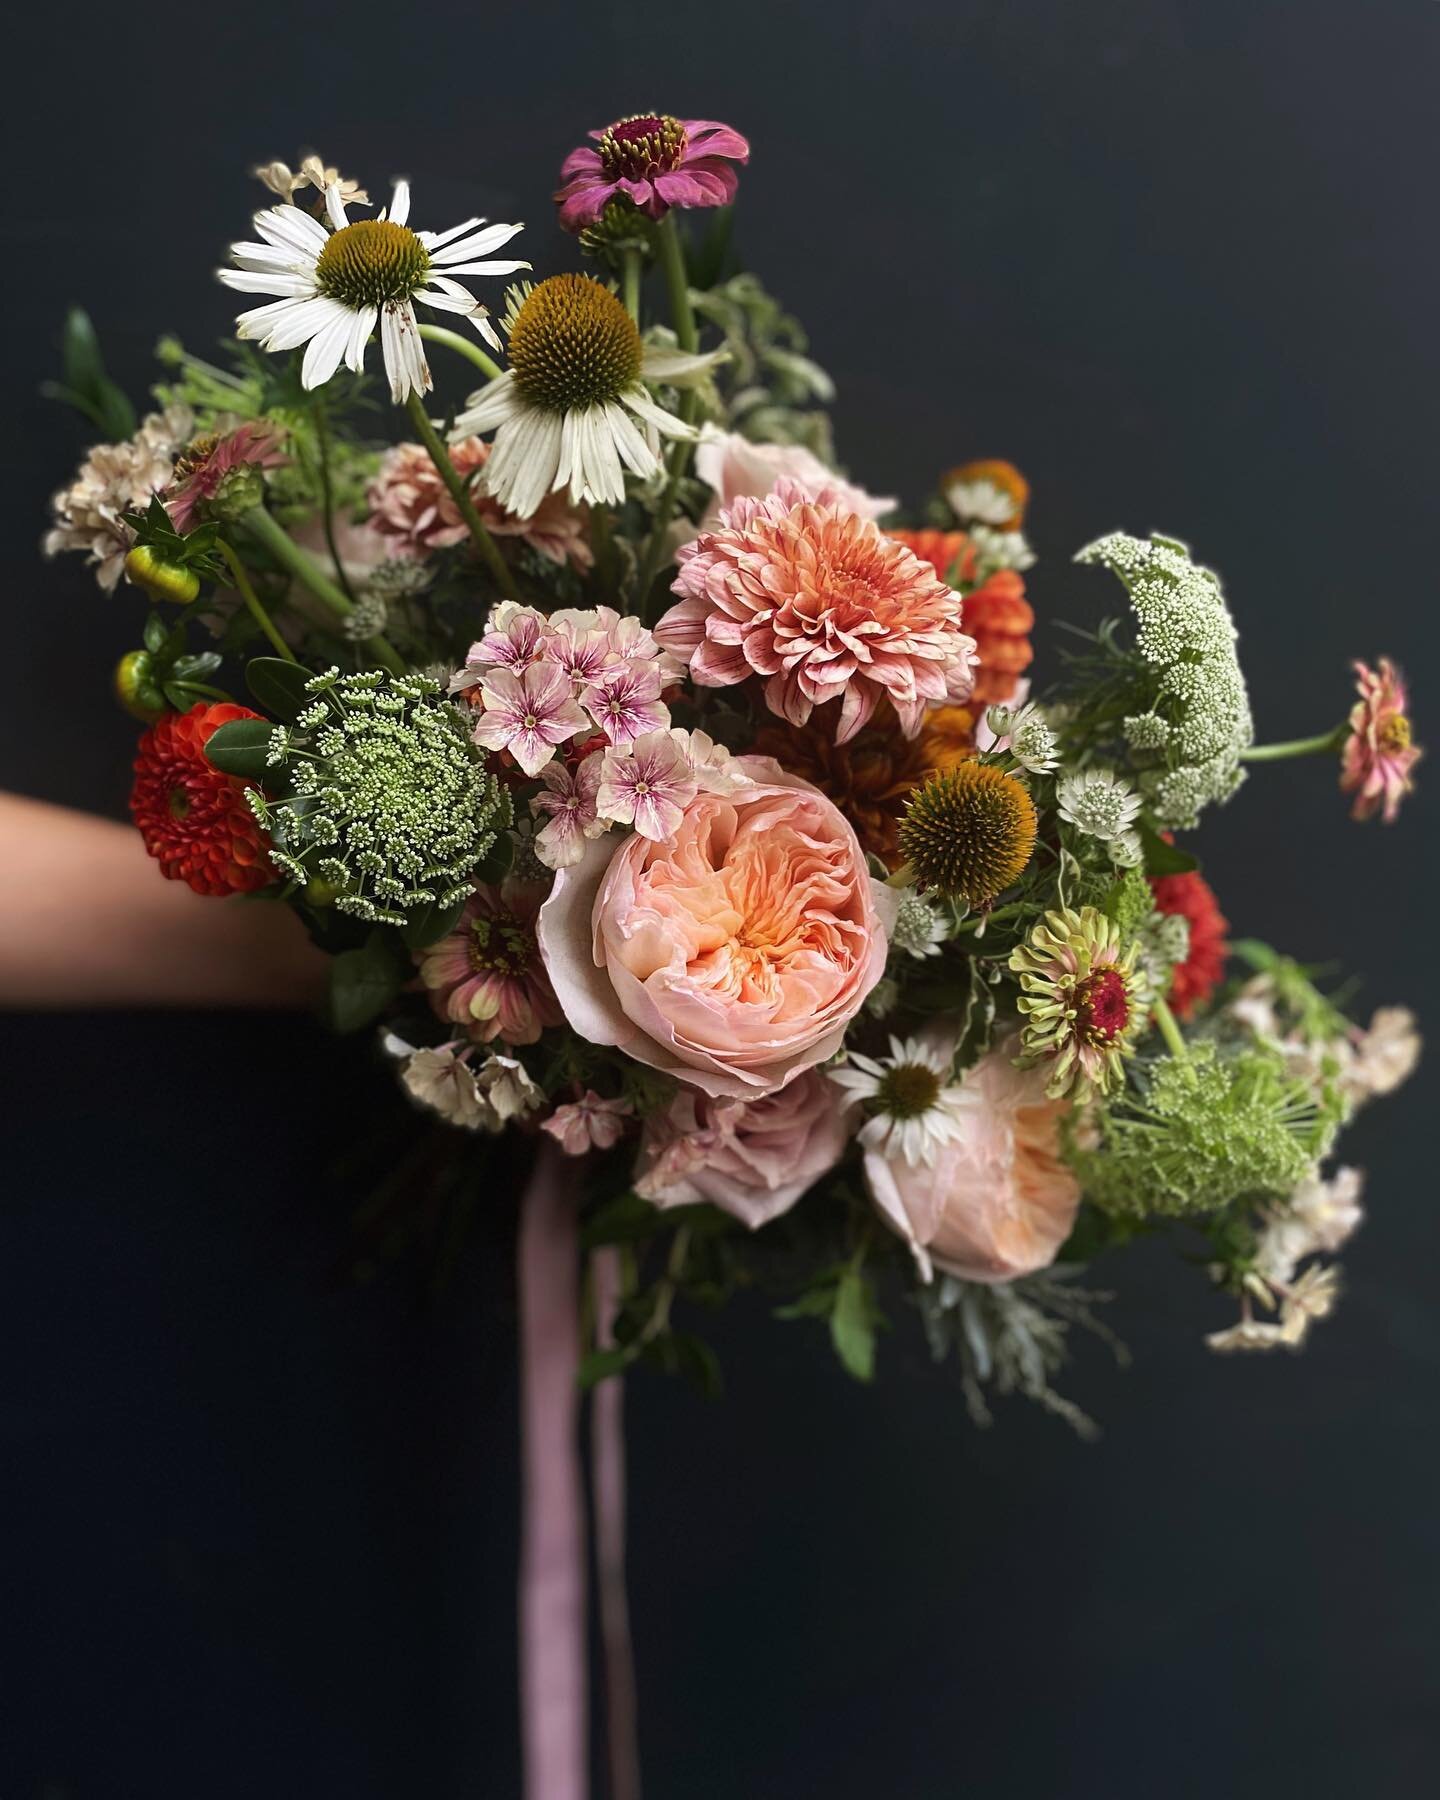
column 625, row 702
column 816, row 599
column 528, row 714
column 588, row 1123
column 216, row 469
column 487, row 974
column 569, row 796
column 1378, row 755
column 649, row 786
column 655, row 162
column 411, row 507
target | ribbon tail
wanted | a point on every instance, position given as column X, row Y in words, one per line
column 553, row 1705
column 607, row 1480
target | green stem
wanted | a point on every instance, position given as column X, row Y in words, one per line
column 677, row 285
column 460, row 494
column 1314, row 746
column 309, row 574
column 247, row 593
column 467, row 347
column 1170, row 1031
column 630, row 283
column 682, row 317
column 327, row 501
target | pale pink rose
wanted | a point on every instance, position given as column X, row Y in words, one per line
column 732, row 956
column 733, row 466
column 751, row 1158
column 998, row 1202
column 588, row 1123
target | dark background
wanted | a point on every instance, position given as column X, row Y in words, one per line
column 1179, row 262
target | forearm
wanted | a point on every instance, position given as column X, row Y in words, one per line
column 87, row 920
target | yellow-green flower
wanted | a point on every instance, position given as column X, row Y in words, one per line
column 1082, row 1001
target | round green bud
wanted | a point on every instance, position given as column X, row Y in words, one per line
column 160, row 579
column 136, row 688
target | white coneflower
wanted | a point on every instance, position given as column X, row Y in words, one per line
column 913, row 1108
column 561, row 413
column 337, row 285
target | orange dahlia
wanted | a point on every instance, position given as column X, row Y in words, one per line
column 194, row 820
column 996, row 614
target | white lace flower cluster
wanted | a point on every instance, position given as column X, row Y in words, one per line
column 1188, row 744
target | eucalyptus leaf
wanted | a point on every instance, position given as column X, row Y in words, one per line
column 279, row 686
column 240, row 748
column 363, row 982
column 430, row 923
column 852, row 1325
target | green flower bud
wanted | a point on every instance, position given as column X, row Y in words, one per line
column 136, row 688
column 160, row 579
column 239, row 492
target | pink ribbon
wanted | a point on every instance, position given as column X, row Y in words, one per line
column 607, row 1482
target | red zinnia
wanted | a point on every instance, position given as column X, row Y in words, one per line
column 1192, row 897
column 194, row 820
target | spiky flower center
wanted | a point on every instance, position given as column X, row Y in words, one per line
column 969, row 832
column 501, row 946
column 372, row 262
column 643, row 145
column 573, row 344
column 1394, row 733
column 907, row 1091
column 194, row 457
column 1102, row 1006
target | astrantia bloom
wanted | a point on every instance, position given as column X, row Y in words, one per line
column 561, row 412
column 528, row 714
column 1378, row 755
column 1098, row 802
column 911, row 1104
column 411, row 507
column 194, row 820
column 655, row 162
column 821, row 603
column 223, row 474
column 1190, row 896
column 336, row 286
column 1082, row 1000
column 487, row 975
column 1026, row 734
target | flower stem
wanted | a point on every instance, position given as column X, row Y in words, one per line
column 327, row 501
column 677, row 284
column 630, row 283
column 1314, row 746
column 460, row 494
column 309, row 574
column 248, row 595
column 682, row 317
column 453, row 340
column 1170, row 1031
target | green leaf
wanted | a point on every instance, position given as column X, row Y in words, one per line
column 240, row 748
column 80, row 348
column 600, row 1365
column 279, row 686
column 196, row 668
column 817, row 1303
column 852, row 1325
column 86, row 386
column 431, row 923
column 1162, row 858
column 155, row 633
column 685, row 1354
column 495, row 864
column 364, row 982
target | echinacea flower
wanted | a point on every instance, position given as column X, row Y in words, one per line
column 820, row 603
column 562, row 412
column 655, row 162
column 569, row 798
column 486, row 975
column 195, row 820
column 528, row 714
column 588, row 1123
column 217, row 476
column 336, row 286
column 911, row 1105
column 969, row 833
column 1190, row 897
column 647, row 786
column 115, row 479
column 413, row 510
column 1082, row 1001
column 1378, row 755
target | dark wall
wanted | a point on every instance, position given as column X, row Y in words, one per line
column 1179, row 262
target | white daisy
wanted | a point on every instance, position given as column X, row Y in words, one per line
column 913, row 1108
column 561, row 413
column 337, row 285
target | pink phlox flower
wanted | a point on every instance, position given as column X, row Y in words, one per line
column 588, row 1123
column 569, row 798
column 528, row 714
column 625, row 702
column 715, row 770
column 647, row 786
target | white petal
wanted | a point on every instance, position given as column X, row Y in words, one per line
column 335, row 207
column 289, row 225
column 257, row 322
column 455, row 303
column 640, row 403
column 490, row 407
column 400, row 203
column 486, row 268
column 303, row 321
column 480, row 244
column 273, row 256
column 600, row 477
column 432, row 240
column 327, row 346
column 268, row 281
column 678, row 367
column 521, row 469
column 634, row 451
column 360, row 336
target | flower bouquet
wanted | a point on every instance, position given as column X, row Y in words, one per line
column 659, row 793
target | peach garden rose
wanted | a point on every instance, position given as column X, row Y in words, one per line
column 731, row 956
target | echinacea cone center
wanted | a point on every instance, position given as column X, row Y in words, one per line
column 573, row 345
column 372, row 262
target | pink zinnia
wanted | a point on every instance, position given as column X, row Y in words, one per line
column 625, row 702
column 411, row 507
column 820, row 602
column 487, row 974
column 1378, row 755
column 528, row 714
column 648, row 787
column 211, row 466
column 654, row 161
column 588, row 1123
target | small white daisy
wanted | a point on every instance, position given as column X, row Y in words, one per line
column 913, row 1108
column 561, row 413
column 979, row 500
column 337, row 285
